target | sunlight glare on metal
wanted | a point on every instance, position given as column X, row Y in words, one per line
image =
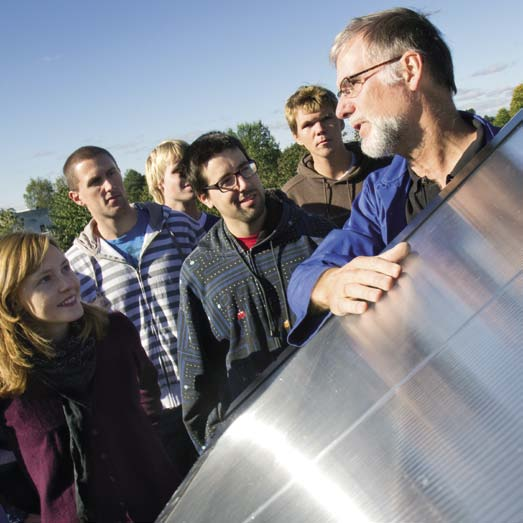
column 303, row 471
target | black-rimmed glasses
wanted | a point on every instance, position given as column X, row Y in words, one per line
column 351, row 86
column 229, row 182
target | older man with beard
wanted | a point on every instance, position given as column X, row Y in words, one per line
column 396, row 82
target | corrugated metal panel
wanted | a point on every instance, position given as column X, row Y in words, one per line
column 411, row 412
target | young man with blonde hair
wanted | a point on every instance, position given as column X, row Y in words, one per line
column 331, row 175
column 167, row 182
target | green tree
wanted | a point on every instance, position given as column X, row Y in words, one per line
column 135, row 184
column 263, row 148
column 502, row 117
column 288, row 162
column 517, row 100
column 38, row 193
column 9, row 221
column 145, row 195
column 67, row 218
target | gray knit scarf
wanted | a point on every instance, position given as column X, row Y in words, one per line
column 70, row 373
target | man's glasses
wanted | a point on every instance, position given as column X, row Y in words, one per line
column 230, row 181
column 351, row 85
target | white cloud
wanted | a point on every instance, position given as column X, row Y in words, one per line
column 494, row 68
column 130, row 147
column 52, row 58
column 484, row 101
column 42, row 154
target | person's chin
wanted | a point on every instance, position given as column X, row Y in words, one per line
column 76, row 315
column 367, row 147
column 114, row 203
column 364, row 130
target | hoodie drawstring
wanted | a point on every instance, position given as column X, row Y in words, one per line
column 287, row 322
column 273, row 331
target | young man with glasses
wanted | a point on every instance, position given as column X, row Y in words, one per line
column 331, row 175
column 234, row 319
column 396, row 82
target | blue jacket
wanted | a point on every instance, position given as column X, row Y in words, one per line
column 378, row 215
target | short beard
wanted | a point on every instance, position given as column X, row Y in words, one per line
column 385, row 136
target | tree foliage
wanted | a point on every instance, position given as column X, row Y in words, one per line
column 288, row 162
column 9, row 221
column 261, row 147
column 135, row 185
column 517, row 100
column 67, row 218
column 275, row 168
column 145, row 195
column 502, row 117
column 504, row 114
column 38, row 193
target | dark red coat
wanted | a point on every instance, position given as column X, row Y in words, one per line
column 131, row 477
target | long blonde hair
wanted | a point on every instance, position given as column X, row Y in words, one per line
column 21, row 254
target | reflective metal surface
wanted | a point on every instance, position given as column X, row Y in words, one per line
column 412, row 412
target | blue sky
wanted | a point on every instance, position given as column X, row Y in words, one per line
column 127, row 74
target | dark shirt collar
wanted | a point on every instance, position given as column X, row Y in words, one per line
column 423, row 190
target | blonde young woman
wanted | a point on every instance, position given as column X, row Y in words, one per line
column 77, row 389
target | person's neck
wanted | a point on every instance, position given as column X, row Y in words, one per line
column 189, row 207
column 114, row 227
column 243, row 230
column 445, row 136
column 55, row 332
column 335, row 165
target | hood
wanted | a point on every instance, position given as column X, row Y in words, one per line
column 356, row 173
column 89, row 239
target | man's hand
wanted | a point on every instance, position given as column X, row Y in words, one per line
column 364, row 280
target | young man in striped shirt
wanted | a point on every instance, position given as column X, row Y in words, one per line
column 128, row 258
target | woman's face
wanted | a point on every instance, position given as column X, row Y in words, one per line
column 52, row 295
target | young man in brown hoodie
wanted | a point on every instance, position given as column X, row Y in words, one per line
column 331, row 175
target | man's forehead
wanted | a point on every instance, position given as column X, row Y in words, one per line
column 100, row 162
column 224, row 161
column 303, row 115
column 352, row 58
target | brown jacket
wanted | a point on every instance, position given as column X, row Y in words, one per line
column 329, row 198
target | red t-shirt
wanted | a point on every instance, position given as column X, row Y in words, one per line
column 249, row 241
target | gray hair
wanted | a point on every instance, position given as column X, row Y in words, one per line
column 393, row 32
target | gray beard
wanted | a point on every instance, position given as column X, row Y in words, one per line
column 385, row 136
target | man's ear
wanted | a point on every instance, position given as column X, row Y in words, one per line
column 413, row 69
column 75, row 197
column 204, row 198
